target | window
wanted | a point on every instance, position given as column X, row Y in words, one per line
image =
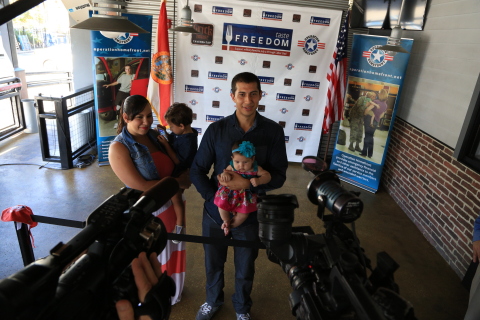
column 467, row 150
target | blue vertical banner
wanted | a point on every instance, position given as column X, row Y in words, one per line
column 112, row 52
column 375, row 79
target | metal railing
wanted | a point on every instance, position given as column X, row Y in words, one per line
column 12, row 119
column 48, row 82
column 67, row 126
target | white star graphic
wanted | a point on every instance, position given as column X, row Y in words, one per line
column 311, row 45
column 377, row 55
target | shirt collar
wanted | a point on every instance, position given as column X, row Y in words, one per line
column 234, row 120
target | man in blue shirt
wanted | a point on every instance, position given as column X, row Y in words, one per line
column 216, row 149
column 473, row 311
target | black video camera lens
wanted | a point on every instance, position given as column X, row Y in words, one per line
column 325, row 191
column 275, row 216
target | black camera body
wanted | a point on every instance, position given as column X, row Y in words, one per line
column 83, row 278
column 329, row 272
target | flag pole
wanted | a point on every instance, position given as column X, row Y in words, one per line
column 328, row 145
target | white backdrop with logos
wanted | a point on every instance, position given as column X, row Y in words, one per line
column 289, row 48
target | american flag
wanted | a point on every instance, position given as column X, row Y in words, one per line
column 337, row 78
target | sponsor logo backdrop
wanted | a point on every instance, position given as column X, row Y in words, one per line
column 289, row 48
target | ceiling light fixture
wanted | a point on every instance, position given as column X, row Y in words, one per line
column 393, row 45
column 111, row 21
column 185, row 23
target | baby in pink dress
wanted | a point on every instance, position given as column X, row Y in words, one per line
column 239, row 202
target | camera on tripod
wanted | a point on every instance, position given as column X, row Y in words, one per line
column 330, row 275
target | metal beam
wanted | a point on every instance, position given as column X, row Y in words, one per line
column 15, row 9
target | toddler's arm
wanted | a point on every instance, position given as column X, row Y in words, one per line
column 226, row 175
column 263, row 177
column 171, row 153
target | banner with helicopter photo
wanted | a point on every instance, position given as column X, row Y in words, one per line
column 374, row 83
column 119, row 59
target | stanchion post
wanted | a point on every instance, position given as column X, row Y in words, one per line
column 23, row 235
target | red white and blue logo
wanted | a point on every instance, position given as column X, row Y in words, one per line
column 223, row 11
column 193, row 89
column 275, row 16
column 310, row 84
column 320, row 21
column 285, row 97
column 377, row 58
column 311, row 44
column 212, row 118
column 125, row 38
column 217, row 75
column 257, row 39
column 266, row 80
column 303, row 126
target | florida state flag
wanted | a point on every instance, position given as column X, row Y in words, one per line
column 160, row 85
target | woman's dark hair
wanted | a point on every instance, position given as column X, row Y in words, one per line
column 132, row 106
column 179, row 113
column 245, row 77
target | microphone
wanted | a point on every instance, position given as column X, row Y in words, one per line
column 155, row 197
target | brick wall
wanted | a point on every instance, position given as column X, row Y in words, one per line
column 438, row 193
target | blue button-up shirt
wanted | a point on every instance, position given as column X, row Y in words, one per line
column 216, row 149
column 185, row 146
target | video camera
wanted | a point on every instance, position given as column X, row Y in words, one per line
column 83, row 278
column 328, row 272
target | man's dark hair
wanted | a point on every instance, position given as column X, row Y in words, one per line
column 246, row 77
column 179, row 113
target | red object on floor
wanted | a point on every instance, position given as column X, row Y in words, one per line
column 22, row 214
column 19, row 213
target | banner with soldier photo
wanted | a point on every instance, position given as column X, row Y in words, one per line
column 374, row 83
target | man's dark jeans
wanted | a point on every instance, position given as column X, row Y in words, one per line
column 244, row 259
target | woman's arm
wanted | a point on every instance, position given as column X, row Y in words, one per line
column 369, row 108
column 171, row 153
column 122, row 165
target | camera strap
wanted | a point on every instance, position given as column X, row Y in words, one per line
column 217, row 241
